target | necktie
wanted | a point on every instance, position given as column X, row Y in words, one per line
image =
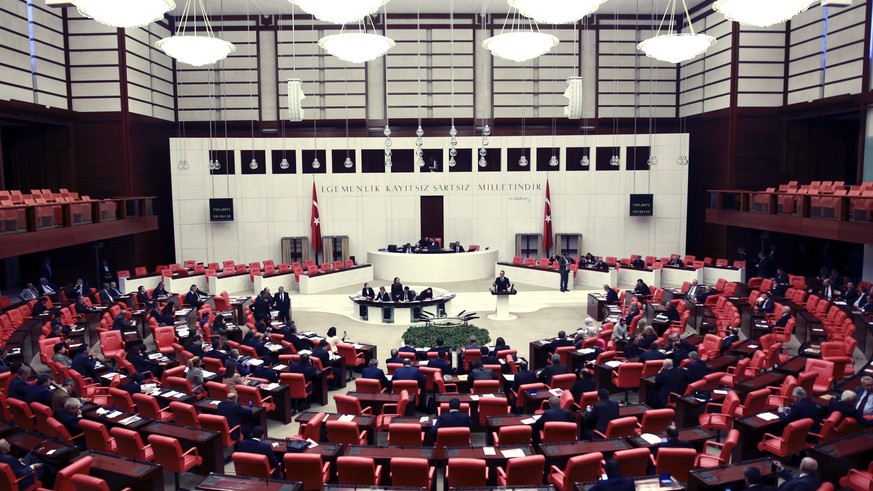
column 863, row 403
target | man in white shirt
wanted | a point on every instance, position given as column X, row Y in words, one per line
column 865, row 396
column 29, row 293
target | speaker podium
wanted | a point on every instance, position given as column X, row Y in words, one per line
column 502, row 310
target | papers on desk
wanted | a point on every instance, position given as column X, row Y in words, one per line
column 130, row 420
column 155, row 356
column 768, row 416
column 556, row 392
column 613, row 363
column 720, row 392
column 183, row 333
column 424, row 419
column 358, row 346
column 255, row 362
column 389, row 377
column 509, row 377
column 101, row 411
column 513, row 453
column 585, row 351
column 463, row 378
column 752, row 346
column 533, row 419
column 312, row 443
column 474, row 397
column 214, row 403
column 51, row 451
column 207, row 374
column 270, row 386
column 98, row 365
column 489, row 451
column 108, row 376
column 173, row 393
column 304, row 352
column 184, row 311
column 488, row 395
column 146, row 388
column 347, row 417
column 279, row 367
column 650, row 438
column 113, row 414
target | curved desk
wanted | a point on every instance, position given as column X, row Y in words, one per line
column 375, row 312
column 433, row 267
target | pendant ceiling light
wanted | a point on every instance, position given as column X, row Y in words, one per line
column 674, row 46
column 295, row 99
column 193, row 48
column 760, row 14
column 556, row 11
column 357, row 46
column 517, row 42
column 340, row 11
column 124, row 13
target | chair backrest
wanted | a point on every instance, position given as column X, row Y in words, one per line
column 345, row 432
column 96, row 436
column 168, row 452
column 129, row 443
column 583, row 468
column 620, row 427
column 525, row 471
column 560, row 431
column 306, row 468
column 676, row 462
column 656, row 420
column 466, row 473
column 563, row 381
column 756, row 402
column 410, row 472
column 8, row 480
column 184, row 414
column 64, row 477
column 22, row 416
column 83, row 482
column 633, row 462
column 451, row 437
column 360, row 471
column 485, row 387
column 251, row 464
column 347, row 404
column 217, row 390
column 405, row 435
column 794, row 435
column 515, row 435
column 730, row 443
column 217, row 423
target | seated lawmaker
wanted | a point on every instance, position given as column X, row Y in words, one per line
column 237, row 415
column 426, row 294
column 641, row 288
column 457, row 247
column 255, row 445
column 501, row 283
column 372, row 371
column 613, row 481
column 452, row 419
column 801, row 407
column 81, row 307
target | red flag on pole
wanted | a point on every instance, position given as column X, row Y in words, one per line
column 316, row 224
column 547, row 222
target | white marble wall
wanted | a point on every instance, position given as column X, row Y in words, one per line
column 269, row 207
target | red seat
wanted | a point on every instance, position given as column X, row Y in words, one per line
column 346, row 432
column 405, row 435
column 83, row 482
column 369, row 385
column 513, row 435
column 251, row 464
column 169, row 454
column 492, row 406
column 64, row 477
column 308, row 469
column 351, row 356
column 523, row 471
column 184, row 414
column 858, row 480
column 633, row 462
column 252, row 396
column 298, row 388
column 409, row 472
column 627, row 377
column 720, row 416
column 581, row 468
column 619, row 427
column 10, row 482
column 655, row 421
column 96, row 437
column 112, row 344
column 723, row 455
column 165, row 338
column 792, row 440
column 470, row 473
column 675, row 461
column 451, row 437
column 130, row 445
column 559, row 431
column 359, row 471
column 218, row 423
column 22, row 416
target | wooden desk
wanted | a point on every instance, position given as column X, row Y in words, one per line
column 226, row 482
column 208, row 443
column 333, row 280
column 730, row 476
column 479, row 453
column 54, row 450
column 697, row 436
column 674, row 276
column 120, row 472
column 364, row 422
column 837, row 457
column 328, row 451
column 646, row 483
column 793, row 366
column 559, row 453
column 210, row 406
column 767, row 379
column 232, row 283
column 597, row 306
column 378, row 399
column 752, row 429
column 384, row 454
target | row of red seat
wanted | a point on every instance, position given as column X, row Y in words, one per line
column 650, row 262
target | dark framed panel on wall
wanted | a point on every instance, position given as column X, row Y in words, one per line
column 574, row 159
column 463, row 160
column 493, row 159
column 290, row 156
column 402, row 161
column 638, row 158
column 513, row 155
column 544, row 156
column 339, row 159
column 433, row 160
column 227, row 165
column 373, row 161
column 604, row 154
column 308, row 156
column 260, row 157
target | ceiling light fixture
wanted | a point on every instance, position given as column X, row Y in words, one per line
column 295, row 99
column 556, row 11
column 357, row 47
column 125, row 13
column 760, row 14
column 193, row 49
column 675, row 46
column 339, row 11
column 519, row 44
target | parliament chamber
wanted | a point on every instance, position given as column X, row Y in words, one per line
column 436, row 245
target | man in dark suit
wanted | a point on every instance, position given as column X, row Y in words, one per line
column 652, row 354
column 236, row 414
column 81, row 307
column 614, row 481
column 256, row 446
column 480, row 373
column 845, row 405
column 452, row 419
column 806, row 481
column 142, row 363
column 611, row 296
column 407, row 347
column 781, row 282
column 697, row 369
column 282, row 302
column 730, row 339
column 670, row 379
column 305, row 367
column 673, row 440
column 441, row 362
column 555, row 368
column 501, row 283
column 104, row 295
column 409, row 372
column 40, row 392
column 487, row 357
column 693, row 291
column 864, row 404
column 754, row 481
column 638, row 263
column 291, row 337
column 18, row 468
column 439, row 347
column 866, row 304
column 18, row 385
column 195, row 297
column 559, row 341
column 554, row 413
column 784, row 318
column 395, row 358
column 323, row 354
column 457, row 247
column 373, row 371
column 564, row 260
column 62, row 393
column 672, row 314
column 45, row 288
column 524, row 377
column 763, row 265
column 801, row 407
column 195, row 346
column 765, row 304
column 69, row 416
column 601, row 414
column 261, row 307
column 642, row 289
column 675, row 262
column 257, row 342
column 632, row 312
column 84, row 363
column 850, row 294
column 265, row 371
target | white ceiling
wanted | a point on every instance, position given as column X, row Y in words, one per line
column 258, row 7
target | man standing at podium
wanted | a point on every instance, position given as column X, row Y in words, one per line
column 501, row 283
column 564, row 261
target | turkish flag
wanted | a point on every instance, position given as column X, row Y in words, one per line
column 547, row 222
column 316, row 224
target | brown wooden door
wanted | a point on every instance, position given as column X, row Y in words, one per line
column 432, row 217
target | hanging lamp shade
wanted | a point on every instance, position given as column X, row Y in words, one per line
column 295, row 99
column 195, row 47
column 556, row 11
column 125, row 13
column 519, row 40
column 674, row 46
column 760, row 13
column 339, row 11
